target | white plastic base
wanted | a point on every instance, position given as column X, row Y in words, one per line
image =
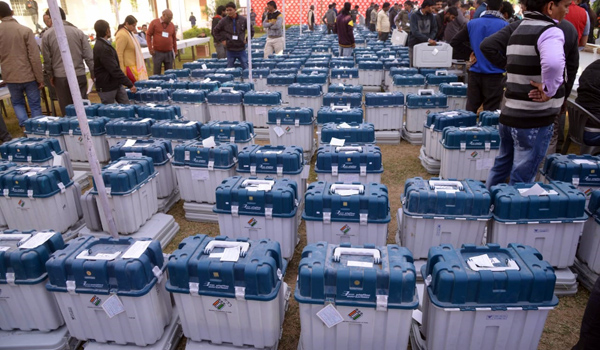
column 469, row 164
column 585, row 276
column 142, row 323
column 566, row 282
column 346, row 81
column 282, row 89
column 260, row 83
column 82, row 178
column 313, row 102
column 385, row 118
column 416, row 117
column 456, row 102
column 345, row 177
column 431, row 165
column 230, row 113
column 59, row 339
column 200, row 212
column 406, row 89
column 301, row 136
column 194, row 111
column 113, row 140
column 589, row 247
column 556, row 241
column 239, row 322
column 374, row 330
column 161, row 227
column 282, row 230
column 388, row 137
column 166, row 182
column 261, row 134
column 431, row 142
column 371, row 77
column 355, row 233
column 414, row 138
column 199, row 184
column 257, row 115
column 419, row 234
column 165, row 204
column 77, row 149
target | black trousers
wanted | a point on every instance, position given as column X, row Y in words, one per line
column 589, row 336
column 383, row 36
column 486, row 89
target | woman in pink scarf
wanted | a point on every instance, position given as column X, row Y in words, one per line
column 129, row 51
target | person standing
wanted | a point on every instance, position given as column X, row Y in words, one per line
column 274, row 27
column 368, row 15
column 354, row 14
column 231, row 31
column 485, row 79
column 263, row 17
column 162, row 43
column 460, row 52
column 21, row 65
column 329, row 19
column 344, row 28
column 192, row 19
column 33, row 10
column 219, row 47
column 423, row 27
column 311, row 18
column 141, row 36
column 53, row 64
column 534, row 91
column 129, row 51
column 383, row 22
column 579, row 18
column 443, row 20
column 110, row 79
column 335, row 9
column 374, row 15
column 402, row 19
column 392, row 14
column 252, row 17
column 480, row 8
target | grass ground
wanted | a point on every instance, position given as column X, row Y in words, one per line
column 401, row 162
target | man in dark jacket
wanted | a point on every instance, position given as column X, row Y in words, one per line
column 231, row 32
column 219, row 13
column 344, row 27
column 109, row 76
column 368, row 15
column 443, row 20
column 423, row 27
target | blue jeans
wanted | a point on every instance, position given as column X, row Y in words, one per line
column 241, row 55
column 346, row 51
column 17, row 97
column 521, row 152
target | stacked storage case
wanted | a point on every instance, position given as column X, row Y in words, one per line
column 47, row 127
column 75, row 142
column 257, row 105
column 468, row 152
column 439, row 211
column 589, row 247
column 338, row 115
column 339, row 88
column 236, row 301
column 91, row 110
column 116, row 285
column 159, row 112
column 439, row 55
column 393, row 71
column 486, row 297
column 419, row 105
column 192, row 104
column 176, row 131
column 240, row 133
column 280, row 83
column 306, row 95
column 351, row 133
column 439, row 77
column 350, row 163
column 226, row 104
column 152, row 95
column 456, row 93
column 371, row 73
column 345, row 75
column 118, row 130
column 385, row 110
column 259, row 78
column 117, row 111
column 369, row 291
column 23, row 280
column 290, row 126
column 548, row 217
column 346, row 213
column 583, row 171
column 408, row 84
column 351, row 99
column 489, row 118
column 132, row 189
column 36, row 152
column 4, row 166
column 255, row 208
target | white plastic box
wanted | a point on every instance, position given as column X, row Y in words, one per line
column 223, row 311
column 282, row 89
column 194, row 111
column 36, row 152
column 439, row 55
column 438, row 212
column 257, row 105
column 253, row 208
column 25, row 303
column 75, row 143
column 351, row 163
column 435, row 125
column 123, row 278
column 39, row 198
column 384, row 110
column 292, row 127
column 226, row 112
column 419, row 105
column 589, row 246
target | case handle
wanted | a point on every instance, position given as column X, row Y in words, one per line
column 14, row 237
column 457, row 84
column 340, row 107
column 511, row 265
column 87, row 102
column 244, row 246
column 425, row 92
column 441, row 72
column 347, row 189
column 348, row 149
column 258, row 185
column 445, row 185
column 339, row 251
column 226, row 89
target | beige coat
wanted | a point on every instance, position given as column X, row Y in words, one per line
column 383, row 22
column 125, row 49
column 19, row 53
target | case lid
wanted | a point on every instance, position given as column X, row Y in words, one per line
column 320, row 67
column 307, row 90
column 441, row 77
column 343, row 68
column 49, row 126
column 5, row 165
column 345, row 88
column 554, row 202
column 158, row 150
column 580, row 170
column 97, row 125
column 370, row 65
column 260, row 73
column 237, row 85
column 235, row 71
column 207, row 85
column 127, row 174
column 164, row 77
column 472, row 137
column 276, row 78
column 384, row 99
column 223, row 78
column 280, row 160
column 176, row 130
column 31, row 150
column 89, row 265
column 181, row 85
column 312, row 78
column 474, row 277
column 439, row 121
column 489, row 118
column 403, row 71
column 389, row 63
column 117, row 111
column 125, row 127
column 339, row 114
column 251, row 196
column 23, row 255
column 189, row 96
column 91, row 110
column 147, row 84
column 455, row 89
column 426, row 99
column 342, row 99
column 289, row 115
column 159, row 112
column 254, row 273
column 180, row 73
column 349, row 159
column 351, row 132
column 408, row 80
column 262, row 98
column 446, row 197
column 34, row 182
column 347, row 202
column 225, row 96
column 158, row 95
column 194, row 154
column 202, row 73
column 366, row 276
column 226, row 131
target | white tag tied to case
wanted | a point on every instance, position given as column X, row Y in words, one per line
column 330, row 316
column 113, row 306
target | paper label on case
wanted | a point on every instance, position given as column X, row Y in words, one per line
column 113, row 306
column 330, row 316
column 201, row 175
column 136, row 250
column 37, row 240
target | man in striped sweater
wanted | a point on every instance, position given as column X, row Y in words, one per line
column 534, row 91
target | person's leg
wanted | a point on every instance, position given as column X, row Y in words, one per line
column 63, row 93
column 504, row 161
column 4, row 134
column 530, row 149
column 121, row 96
column 169, row 60
column 589, row 335
column 108, row 97
column 492, row 86
column 243, row 56
column 34, row 99
column 268, row 48
column 83, row 86
column 554, row 139
column 157, row 61
column 17, row 99
column 278, row 45
column 474, row 93
column 230, row 59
